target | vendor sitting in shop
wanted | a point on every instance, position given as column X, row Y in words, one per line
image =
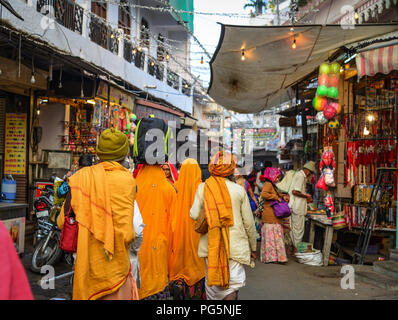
column 298, row 201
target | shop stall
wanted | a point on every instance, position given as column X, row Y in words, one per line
column 357, row 176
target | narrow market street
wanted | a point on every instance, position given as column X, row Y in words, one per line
column 293, row 281
column 176, row 150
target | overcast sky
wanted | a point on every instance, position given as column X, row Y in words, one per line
column 207, row 30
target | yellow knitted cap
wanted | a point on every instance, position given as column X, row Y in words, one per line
column 112, row 145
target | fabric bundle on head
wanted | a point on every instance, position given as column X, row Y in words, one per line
column 271, row 173
column 113, row 145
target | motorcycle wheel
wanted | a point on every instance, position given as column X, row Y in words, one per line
column 51, row 255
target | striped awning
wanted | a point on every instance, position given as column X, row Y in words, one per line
column 381, row 60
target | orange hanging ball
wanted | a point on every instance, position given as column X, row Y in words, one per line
column 319, row 103
column 337, row 106
column 323, row 80
column 333, row 80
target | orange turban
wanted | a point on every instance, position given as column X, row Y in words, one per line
column 222, row 165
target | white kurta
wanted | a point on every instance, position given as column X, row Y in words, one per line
column 298, row 207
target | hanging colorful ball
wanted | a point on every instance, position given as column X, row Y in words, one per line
column 337, row 106
column 333, row 80
column 324, row 68
column 332, row 92
column 334, row 68
column 322, row 91
column 333, row 124
column 319, row 103
column 320, row 117
column 323, row 80
column 329, row 112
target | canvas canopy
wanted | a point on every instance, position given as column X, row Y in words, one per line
column 271, row 66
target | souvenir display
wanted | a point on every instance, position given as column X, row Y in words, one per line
column 88, row 121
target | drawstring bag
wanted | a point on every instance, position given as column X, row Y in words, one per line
column 68, row 241
column 281, row 209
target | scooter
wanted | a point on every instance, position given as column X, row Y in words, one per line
column 47, row 236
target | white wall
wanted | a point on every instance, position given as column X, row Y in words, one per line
column 74, row 44
column 50, row 119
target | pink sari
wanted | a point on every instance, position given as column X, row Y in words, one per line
column 14, row 283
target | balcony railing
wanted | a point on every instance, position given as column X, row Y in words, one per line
column 65, row 12
column 103, row 35
column 72, row 16
column 173, row 79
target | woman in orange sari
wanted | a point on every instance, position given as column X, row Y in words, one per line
column 186, row 269
column 155, row 198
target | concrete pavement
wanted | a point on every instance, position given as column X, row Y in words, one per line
column 298, row 281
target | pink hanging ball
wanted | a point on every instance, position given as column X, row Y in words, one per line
column 329, row 112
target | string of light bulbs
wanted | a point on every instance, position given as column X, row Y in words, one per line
column 163, row 9
column 139, row 47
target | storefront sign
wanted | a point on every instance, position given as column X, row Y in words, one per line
column 142, row 111
column 116, row 96
column 15, row 144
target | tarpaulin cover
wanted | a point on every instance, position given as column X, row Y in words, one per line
column 271, row 66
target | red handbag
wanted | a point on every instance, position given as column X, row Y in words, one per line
column 68, row 240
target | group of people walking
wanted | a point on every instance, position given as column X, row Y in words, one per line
column 157, row 233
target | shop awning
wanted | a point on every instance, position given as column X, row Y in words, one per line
column 271, row 66
column 381, row 60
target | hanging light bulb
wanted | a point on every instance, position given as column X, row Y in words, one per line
column 356, row 15
column 167, row 57
column 294, row 44
column 152, row 63
column 112, row 35
column 186, row 86
column 139, row 48
column 365, row 131
column 32, row 80
column 201, row 60
column 38, row 111
column 243, row 58
column 370, row 117
column 134, row 51
column 341, row 69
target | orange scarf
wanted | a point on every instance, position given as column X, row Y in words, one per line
column 219, row 216
column 103, row 201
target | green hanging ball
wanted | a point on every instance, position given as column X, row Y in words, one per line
column 333, row 92
column 322, row 91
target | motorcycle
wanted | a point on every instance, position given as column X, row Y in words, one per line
column 47, row 235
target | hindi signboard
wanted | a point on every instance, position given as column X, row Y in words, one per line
column 15, row 144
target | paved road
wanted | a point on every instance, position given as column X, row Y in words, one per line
column 264, row 282
column 298, row 281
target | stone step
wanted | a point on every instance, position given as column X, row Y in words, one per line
column 388, row 268
column 394, row 254
column 376, row 279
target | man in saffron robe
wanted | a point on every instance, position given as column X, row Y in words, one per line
column 186, row 269
column 102, row 199
column 231, row 238
column 155, row 198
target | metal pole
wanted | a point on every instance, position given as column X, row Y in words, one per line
column 64, row 275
